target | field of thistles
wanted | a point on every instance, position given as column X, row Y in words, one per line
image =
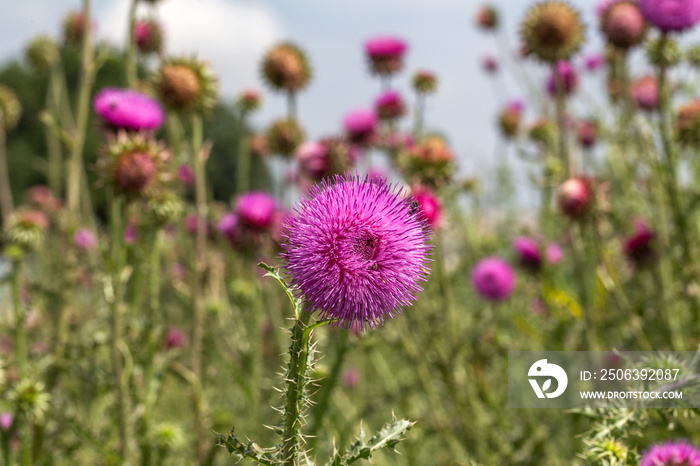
column 184, row 282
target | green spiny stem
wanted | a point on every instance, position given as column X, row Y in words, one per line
column 671, row 160
column 6, row 202
column 329, row 384
column 131, row 77
column 296, row 380
column 200, row 265
column 87, row 76
column 243, row 168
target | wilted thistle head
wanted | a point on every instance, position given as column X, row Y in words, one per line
column 128, row 109
column 623, row 24
column 385, row 54
column 285, row 67
column 149, row 36
column 424, row 82
column 10, row 108
column 680, row 453
column 671, row 15
column 552, row 31
column 356, row 249
column 186, row 85
column 494, row 279
column 41, row 53
column 283, row 136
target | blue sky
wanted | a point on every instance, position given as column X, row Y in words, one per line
column 232, row 35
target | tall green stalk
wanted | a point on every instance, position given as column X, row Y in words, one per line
column 6, row 203
column 243, row 168
column 564, row 155
column 131, row 75
column 21, row 354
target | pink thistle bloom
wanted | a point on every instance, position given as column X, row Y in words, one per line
column 623, row 24
column 228, row 226
column 594, row 62
column 528, row 252
column 175, row 338
column 587, row 132
column 191, row 223
column 351, row 377
column 639, row 247
column 256, row 209
column 390, row 105
column 645, row 92
column 490, row 63
column 85, row 239
column 679, row 453
column 575, row 196
column 6, row 420
column 493, row 279
column 671, row 15
column 356, row 250
column 360, row 125
column 429, row 205
column 554, row 253
column 128, row 109
column 312, row 158
column 185, row 174
column 568, row 76
column 385, row 54
column 131, row 234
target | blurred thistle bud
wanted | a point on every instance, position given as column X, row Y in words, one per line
column 552, row 31
column 430, row 162
column 249, row 100
column 186, row 85
column 562, row 74
column 542, row 131
column 26, row 230
column 510, row 118
column 165, row 207
column 185, row 174
column 385, row 54
column 487, row 18
column 688, row 124
column 623, row 24
column 73, row 28
column 424, row 82
column 42, row 198
column 639, row 246
column 429, row 204
column 149, row 36
column 666, row 53
column 284, row 136
column 257, row 143
column 175, row 338
column 10, row 108
column 166, row 437
column 41, row 53
column 85, row 239
column 286, row 68
column 489, row 63
column 575, row 197
column 594, row 61
column 587, row 133
column 390, row 106
column 645, row 93
column 31, row 399
column 360, row 126
column 6, row 420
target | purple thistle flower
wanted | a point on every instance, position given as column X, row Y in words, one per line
column 360, row 125
column 390, row 105
column 6, row 421
column 568, row 76
column 131, row 234
column 256, row 209
column 85, row 239
column 128, row 109
column 175, row 338
column 679, row 453
column 493, row 278
column 228, row 225
column 385, row 54
column 528, row 252
column 351, row 377
column 671, row 15
column 356, row 250
column 554, row 253
column 594, row 61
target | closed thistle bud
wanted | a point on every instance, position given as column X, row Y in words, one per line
column 623, row 24
column 565, row 75
column 510, row 118
column 285, row 67
column 186, row 85
column 575, row 197
column 73, row 28
column 552, row 31
column 639, row 247
column 660, row 54
column 586, row 133
column 249, row 100
column 424, row 82
column 542, row 131
column 258, row 145
column 390, row 105
column 26, row 230
column 688, row 124
column 645, row 93
column 165, row 207
column 41, row 53
column 283, row 136
column 487, row 18
column 149, row 36
column 10, row 108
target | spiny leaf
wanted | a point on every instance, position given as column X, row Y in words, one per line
column 274, row 273
column 390, row 435
column 250, row 450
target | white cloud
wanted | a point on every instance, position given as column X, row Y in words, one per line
column 231, row 37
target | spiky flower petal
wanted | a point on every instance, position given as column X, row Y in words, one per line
column 356, row 250
column 552, row 31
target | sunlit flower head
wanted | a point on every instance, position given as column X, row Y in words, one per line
column 356, row 250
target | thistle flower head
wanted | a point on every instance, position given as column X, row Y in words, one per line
column 249, row 100
column 186, row 85
column 424, row 82
column 390, row 105
column 575, row 197
column 671, row 15
column 639, row 247
column 284, row 136
column 385, row 54
column 645, row 93
column 326, row 157
column 149, row 36
column 258, row 145
column 73, row 28
column 542, row 131
column 510, row 118
column 128, row 109
column 356, row 250
column 175, row 338
column 688, row 123
column 623, row 24
column 487, row 18
column 429, row 205
column 594, row 61
column 41, row 197
column 587, row 133
column 6, row 420
column 489, row 63
column 41, row 52
column 552, row 31
column 10, row 108
column 679, row 453
column 285, row 67
column 26, row 229
column 256, row 209
column 565, row 74
column 528, row 252
column 85, row 239
column 430, row 162
column 360, row 125
column 493, row 279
